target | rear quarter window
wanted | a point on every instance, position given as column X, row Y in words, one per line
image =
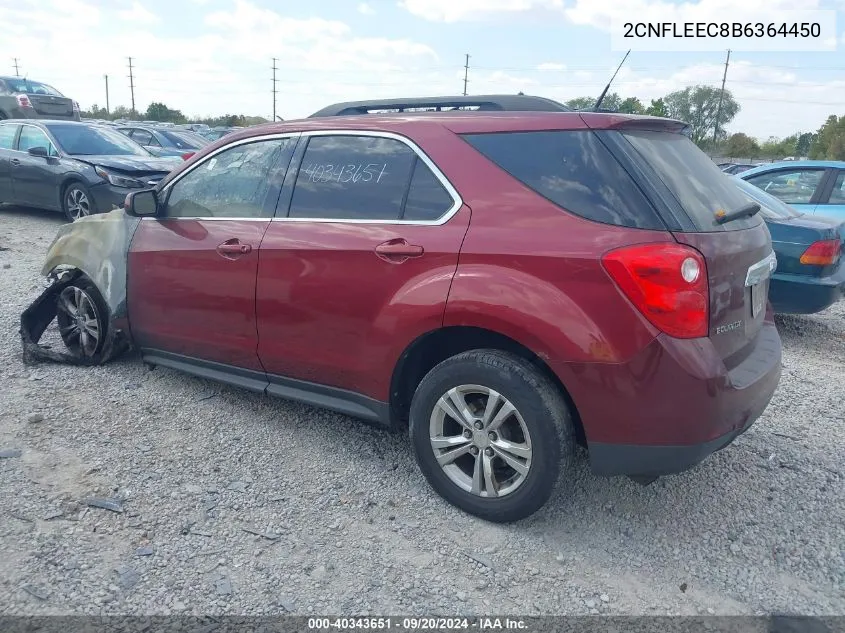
column 699, row 186
column 574, row 170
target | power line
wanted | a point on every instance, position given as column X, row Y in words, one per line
column 721, row 97
column 466, row 73
column 132, row 85
column 17, row 72
column 274, row 87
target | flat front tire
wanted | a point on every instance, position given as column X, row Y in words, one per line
column 491, row 434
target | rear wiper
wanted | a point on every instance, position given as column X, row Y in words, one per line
column 749, row 210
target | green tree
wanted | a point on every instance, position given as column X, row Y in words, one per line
column 830, row 140
column 741, row 145
column 805, row 140
column 657, row 108
column 698, row 106
column 631, row 105
column 121, row 112
column 159, row 112
column 581, row 103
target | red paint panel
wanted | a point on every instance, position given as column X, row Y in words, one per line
column 331, row 311
column 185, row 297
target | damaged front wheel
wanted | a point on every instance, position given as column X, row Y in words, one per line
column 80, row 314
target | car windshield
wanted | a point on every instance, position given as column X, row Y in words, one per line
column 700, row 187
column 184, row 140
column 770, row 206
column 28, row 86
column 92, row 140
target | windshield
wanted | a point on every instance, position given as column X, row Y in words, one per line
column 699, row 186
column 770, row 206
column 184, row 140
column 32, row 87
column 92, row 140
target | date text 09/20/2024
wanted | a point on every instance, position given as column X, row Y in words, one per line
column 415, row 624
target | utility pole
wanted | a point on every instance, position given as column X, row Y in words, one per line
column 107, row 93
column 274, row 88
column 132, row 86
column 721, row 96
column 17, row 72
column 466, row 73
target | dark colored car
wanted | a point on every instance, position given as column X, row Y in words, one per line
column 810, row 275
column 22, row 98
column 503, row 284
column 736, row 168
column 165, row 141
column 76, row 168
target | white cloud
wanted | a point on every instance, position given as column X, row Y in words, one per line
column 138, row 14
column 366, row 9
column 459, row 10
column 553, row 66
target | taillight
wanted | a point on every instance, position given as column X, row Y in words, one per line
column 23, row 101
column 667, row 283
column 822, row 253
column 187, row 155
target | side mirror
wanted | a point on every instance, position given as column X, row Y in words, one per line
column 141, row 204
column 39, row 151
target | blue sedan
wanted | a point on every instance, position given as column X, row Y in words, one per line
column 810, row 273
column 813, row 187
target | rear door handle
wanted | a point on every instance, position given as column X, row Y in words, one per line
column 232, row 249
column 15, row 162
column 398, row 250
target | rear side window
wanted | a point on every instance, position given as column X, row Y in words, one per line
column 793, row 186
column 699, row 186
column 428, row 199
column 352, row 178
column 574, row 170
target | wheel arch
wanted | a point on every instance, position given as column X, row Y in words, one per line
column 435, row 346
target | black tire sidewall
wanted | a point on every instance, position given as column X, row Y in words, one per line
column 529, row 400
column 66, row 191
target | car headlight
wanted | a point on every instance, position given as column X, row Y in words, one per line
column 119, row 181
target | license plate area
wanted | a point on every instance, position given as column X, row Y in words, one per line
column 757, row 280
column 758, row 299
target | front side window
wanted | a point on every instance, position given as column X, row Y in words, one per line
column 33, row 137
column 352, row 178
column 793, row 186
column 7, row 135
column 233, row 183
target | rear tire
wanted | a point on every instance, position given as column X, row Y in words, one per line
column 77, row 201
column 83, row 321
column 502, row 460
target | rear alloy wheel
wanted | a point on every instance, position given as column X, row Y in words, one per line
column 81, row 320
column 77, row 202
column 491, row 433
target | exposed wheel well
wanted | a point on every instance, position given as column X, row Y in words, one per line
column 434, row 347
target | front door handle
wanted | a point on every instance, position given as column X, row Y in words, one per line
column 232, row 249
column 15, row 162
column 398, row 250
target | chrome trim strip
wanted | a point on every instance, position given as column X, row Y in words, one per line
column 457, row 202
column 761, row 270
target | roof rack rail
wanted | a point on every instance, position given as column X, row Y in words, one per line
column 484, row 103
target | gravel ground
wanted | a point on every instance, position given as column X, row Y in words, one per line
column 234, row 503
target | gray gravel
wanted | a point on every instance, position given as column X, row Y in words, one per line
column 152, row 492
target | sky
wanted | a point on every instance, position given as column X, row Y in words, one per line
column 211, row 57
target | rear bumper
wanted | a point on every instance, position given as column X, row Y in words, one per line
column 802, row 294
column 672, row 405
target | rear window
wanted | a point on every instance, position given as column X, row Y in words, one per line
column 28, row 86
column 574, row 170
column 699, row 186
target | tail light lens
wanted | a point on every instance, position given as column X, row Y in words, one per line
column 822, row 253
column 667, row 283
column 23, row 101
column 187, row 155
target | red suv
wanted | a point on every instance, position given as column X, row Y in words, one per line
column 504, row 284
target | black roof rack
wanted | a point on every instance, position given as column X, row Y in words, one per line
column 484, row 103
